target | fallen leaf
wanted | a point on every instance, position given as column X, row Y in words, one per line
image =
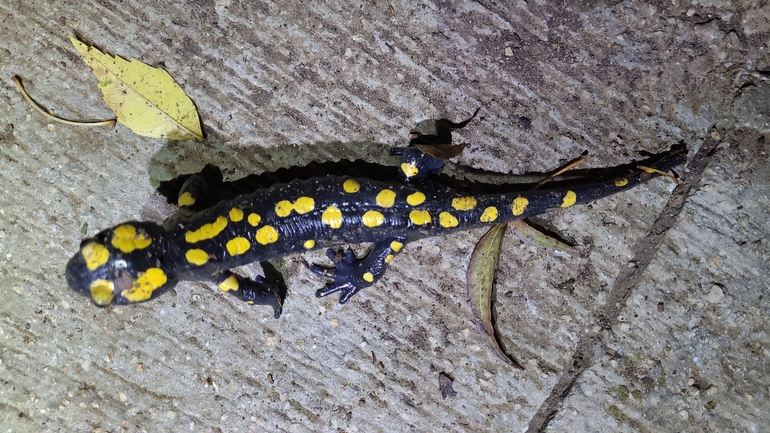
column 146, row 99
column 528, row 233
column 480, row 280
column 442, row 151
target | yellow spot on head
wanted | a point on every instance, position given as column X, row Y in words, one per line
column 102, row 292
column 386, row 198
column 197, row 257
column 519, row 204
column 206, row 231
column 95, row 255
column 238, row 246
column 569, row 199
column 372, row 218
column 489, row 215
column 236, row 215
column 389, row 258
column 143, row 287
column 410, row 170
column 186, row 199
column 415, row 199
column 351, row 186
column 621, row 182
column 267, row 235
column 304, row 205
column 396, row 246
column 447, row 220
column 230, row 283
column 283, row 208
column 419, row 217
column 126, row 239
column 464, row 203
column 309, row 244
column 368, row 277
column 254, row 219
column 332, row 217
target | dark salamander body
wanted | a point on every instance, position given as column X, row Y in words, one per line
column 138, row 261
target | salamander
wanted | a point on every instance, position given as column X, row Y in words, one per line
column 138, row 261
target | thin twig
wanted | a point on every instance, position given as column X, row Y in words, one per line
column 17, row 81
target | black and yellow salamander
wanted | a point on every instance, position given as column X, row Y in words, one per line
column 138, row 261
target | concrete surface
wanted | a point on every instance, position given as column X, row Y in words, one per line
column 632, row 331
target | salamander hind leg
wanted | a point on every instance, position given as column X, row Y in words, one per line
column 260, row 291
column 192, row 192
column 351, row 274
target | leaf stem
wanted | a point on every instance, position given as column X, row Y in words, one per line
column 17, row 81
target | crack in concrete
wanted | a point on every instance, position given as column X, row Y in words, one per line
column 629, row 278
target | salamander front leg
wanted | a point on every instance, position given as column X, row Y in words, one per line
column 351, row 274
column 260, row 291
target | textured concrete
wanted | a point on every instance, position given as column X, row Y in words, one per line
column 631, row 331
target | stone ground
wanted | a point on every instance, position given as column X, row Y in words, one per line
column 657, row 321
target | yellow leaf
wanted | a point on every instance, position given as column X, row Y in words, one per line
column 147, row 100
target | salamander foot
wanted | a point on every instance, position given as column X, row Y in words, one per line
column 349, row 275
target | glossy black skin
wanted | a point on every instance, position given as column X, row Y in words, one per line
column 350, row 274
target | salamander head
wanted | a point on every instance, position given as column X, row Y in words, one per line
column 121, row 265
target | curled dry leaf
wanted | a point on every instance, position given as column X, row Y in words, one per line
column 442, row 151
column 146, row 99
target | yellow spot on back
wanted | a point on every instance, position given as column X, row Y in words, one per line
column 206, row 231
column 267, row 235
column 332, row 217
column 386, row 198
column 621, row 182
column 310, row 243
column 396, row 246
column 368, row 277
column 410, row 170
column 489, row 215
column 254, row 219
column 351, row 186
column 143, row 287
column 372, row 218
column 419, row 217
column 569, row 199
column 95, row 255
column 304, row 205
column 238, row 246
column 389, row 258
column 236, row 215
column 186, row 199
column 197, row 257
column 283, row 208
column 447, row 220
column 464, row 203
column 230, row 283
column 415, row 199
column 102, row 292
column 519, row 204
column 126, row 239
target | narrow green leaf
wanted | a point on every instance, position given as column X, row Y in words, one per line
column 480, row 281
